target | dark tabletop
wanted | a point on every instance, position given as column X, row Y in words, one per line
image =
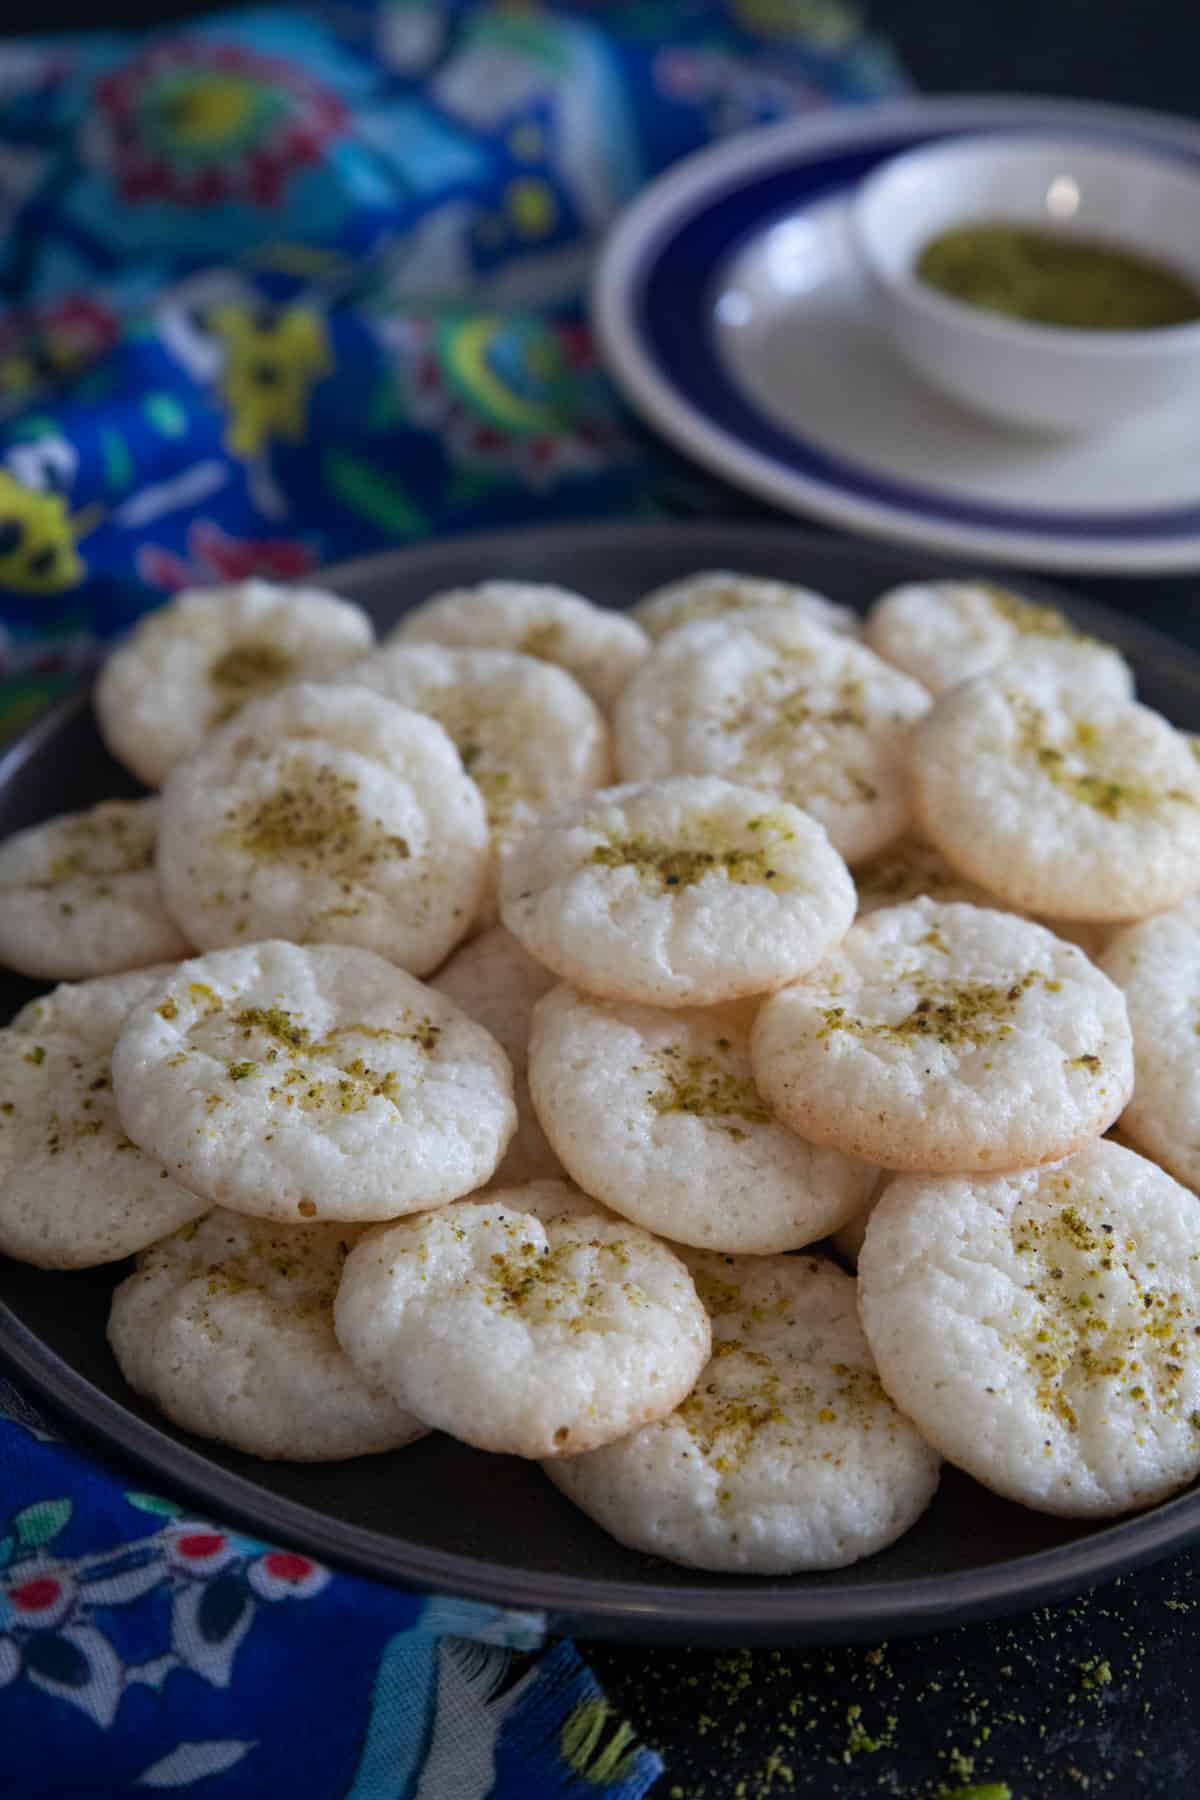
column 1095, row 1697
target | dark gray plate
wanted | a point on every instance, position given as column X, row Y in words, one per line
column 438, row 1515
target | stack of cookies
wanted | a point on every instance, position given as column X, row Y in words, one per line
column 504, row 1101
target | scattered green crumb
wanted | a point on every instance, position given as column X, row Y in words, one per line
column 245, row 672
column 701, row 1086
column 953, row 1013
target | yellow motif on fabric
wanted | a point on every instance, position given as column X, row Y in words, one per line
column 37, row 539
column 272, row 364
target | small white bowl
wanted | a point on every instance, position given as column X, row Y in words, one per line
column 1045, row 377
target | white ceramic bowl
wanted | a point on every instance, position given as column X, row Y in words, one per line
column 1048, row 378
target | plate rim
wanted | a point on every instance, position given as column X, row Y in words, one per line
column 716, row 170
column 742, row 1610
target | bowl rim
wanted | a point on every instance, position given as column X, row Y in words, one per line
column 1097, row 345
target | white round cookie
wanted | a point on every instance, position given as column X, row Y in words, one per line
column 529, row 1338
column 527, row 733
column 717, row 593
column 498, row 985
column 1076, row 809
column 79, row 895
column 944, row 632
column 683, row 892
column 227, row 1326
column 942, row 1038
column 319, row 1083
column 1157, row 967
column 74, row 1191
column 599, row 646
column 325, row 814
column 777, row 703
column 656, row 1114
column 787, row 1455
column 1042, row 1328
column 190, row 665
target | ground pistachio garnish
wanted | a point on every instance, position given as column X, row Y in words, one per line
column 1067, row 766
column 1099, row 1318
column 1029, row 617
column 773, row 720
column 313, row 821
column 544, row 640
column 535, row 1280
column 121, row 843
column 665, row 866
column 707, row 1089
column 953, row 1013
column 245, row 672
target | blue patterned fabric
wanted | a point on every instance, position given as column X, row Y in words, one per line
column 277, row 288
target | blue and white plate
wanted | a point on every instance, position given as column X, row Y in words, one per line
column 730, row 309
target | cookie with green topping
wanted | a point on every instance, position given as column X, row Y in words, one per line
column 683, row 892
column 193, row 663
column 1042, row 1328
column 534, row 1338
column 945, row 1038
column 656, row 1113
column 325, row 814
column 787, row 1455
column 528, row 735
column 312, row 1083
column 1060, row 805
column 75, row 1191
column 79, row 895
column 944, row 632
column 719, row 593
column 598, row 645
column 771, row 701
column 227, row 1326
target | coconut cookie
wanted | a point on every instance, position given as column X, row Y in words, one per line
column 79, row 895
column 718, row 593
column 1157, row 967
column 1043, row 1328
column 599, row 646
column 787, row 1455
column 657, row 1114
column 74, row 1191
column 1077, row 809
column 498, row 985
column 192, row 664
column 947, row 1038
column 944, row 632
column 774, row 702
column 530, row 1338
column 227, row 1326
column 527, row 733
column 678, row 893
column 323, row 1083
column 329, row 815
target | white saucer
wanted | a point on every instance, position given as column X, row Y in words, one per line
column 731, row 310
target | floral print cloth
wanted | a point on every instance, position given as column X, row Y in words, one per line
column 276, row 288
